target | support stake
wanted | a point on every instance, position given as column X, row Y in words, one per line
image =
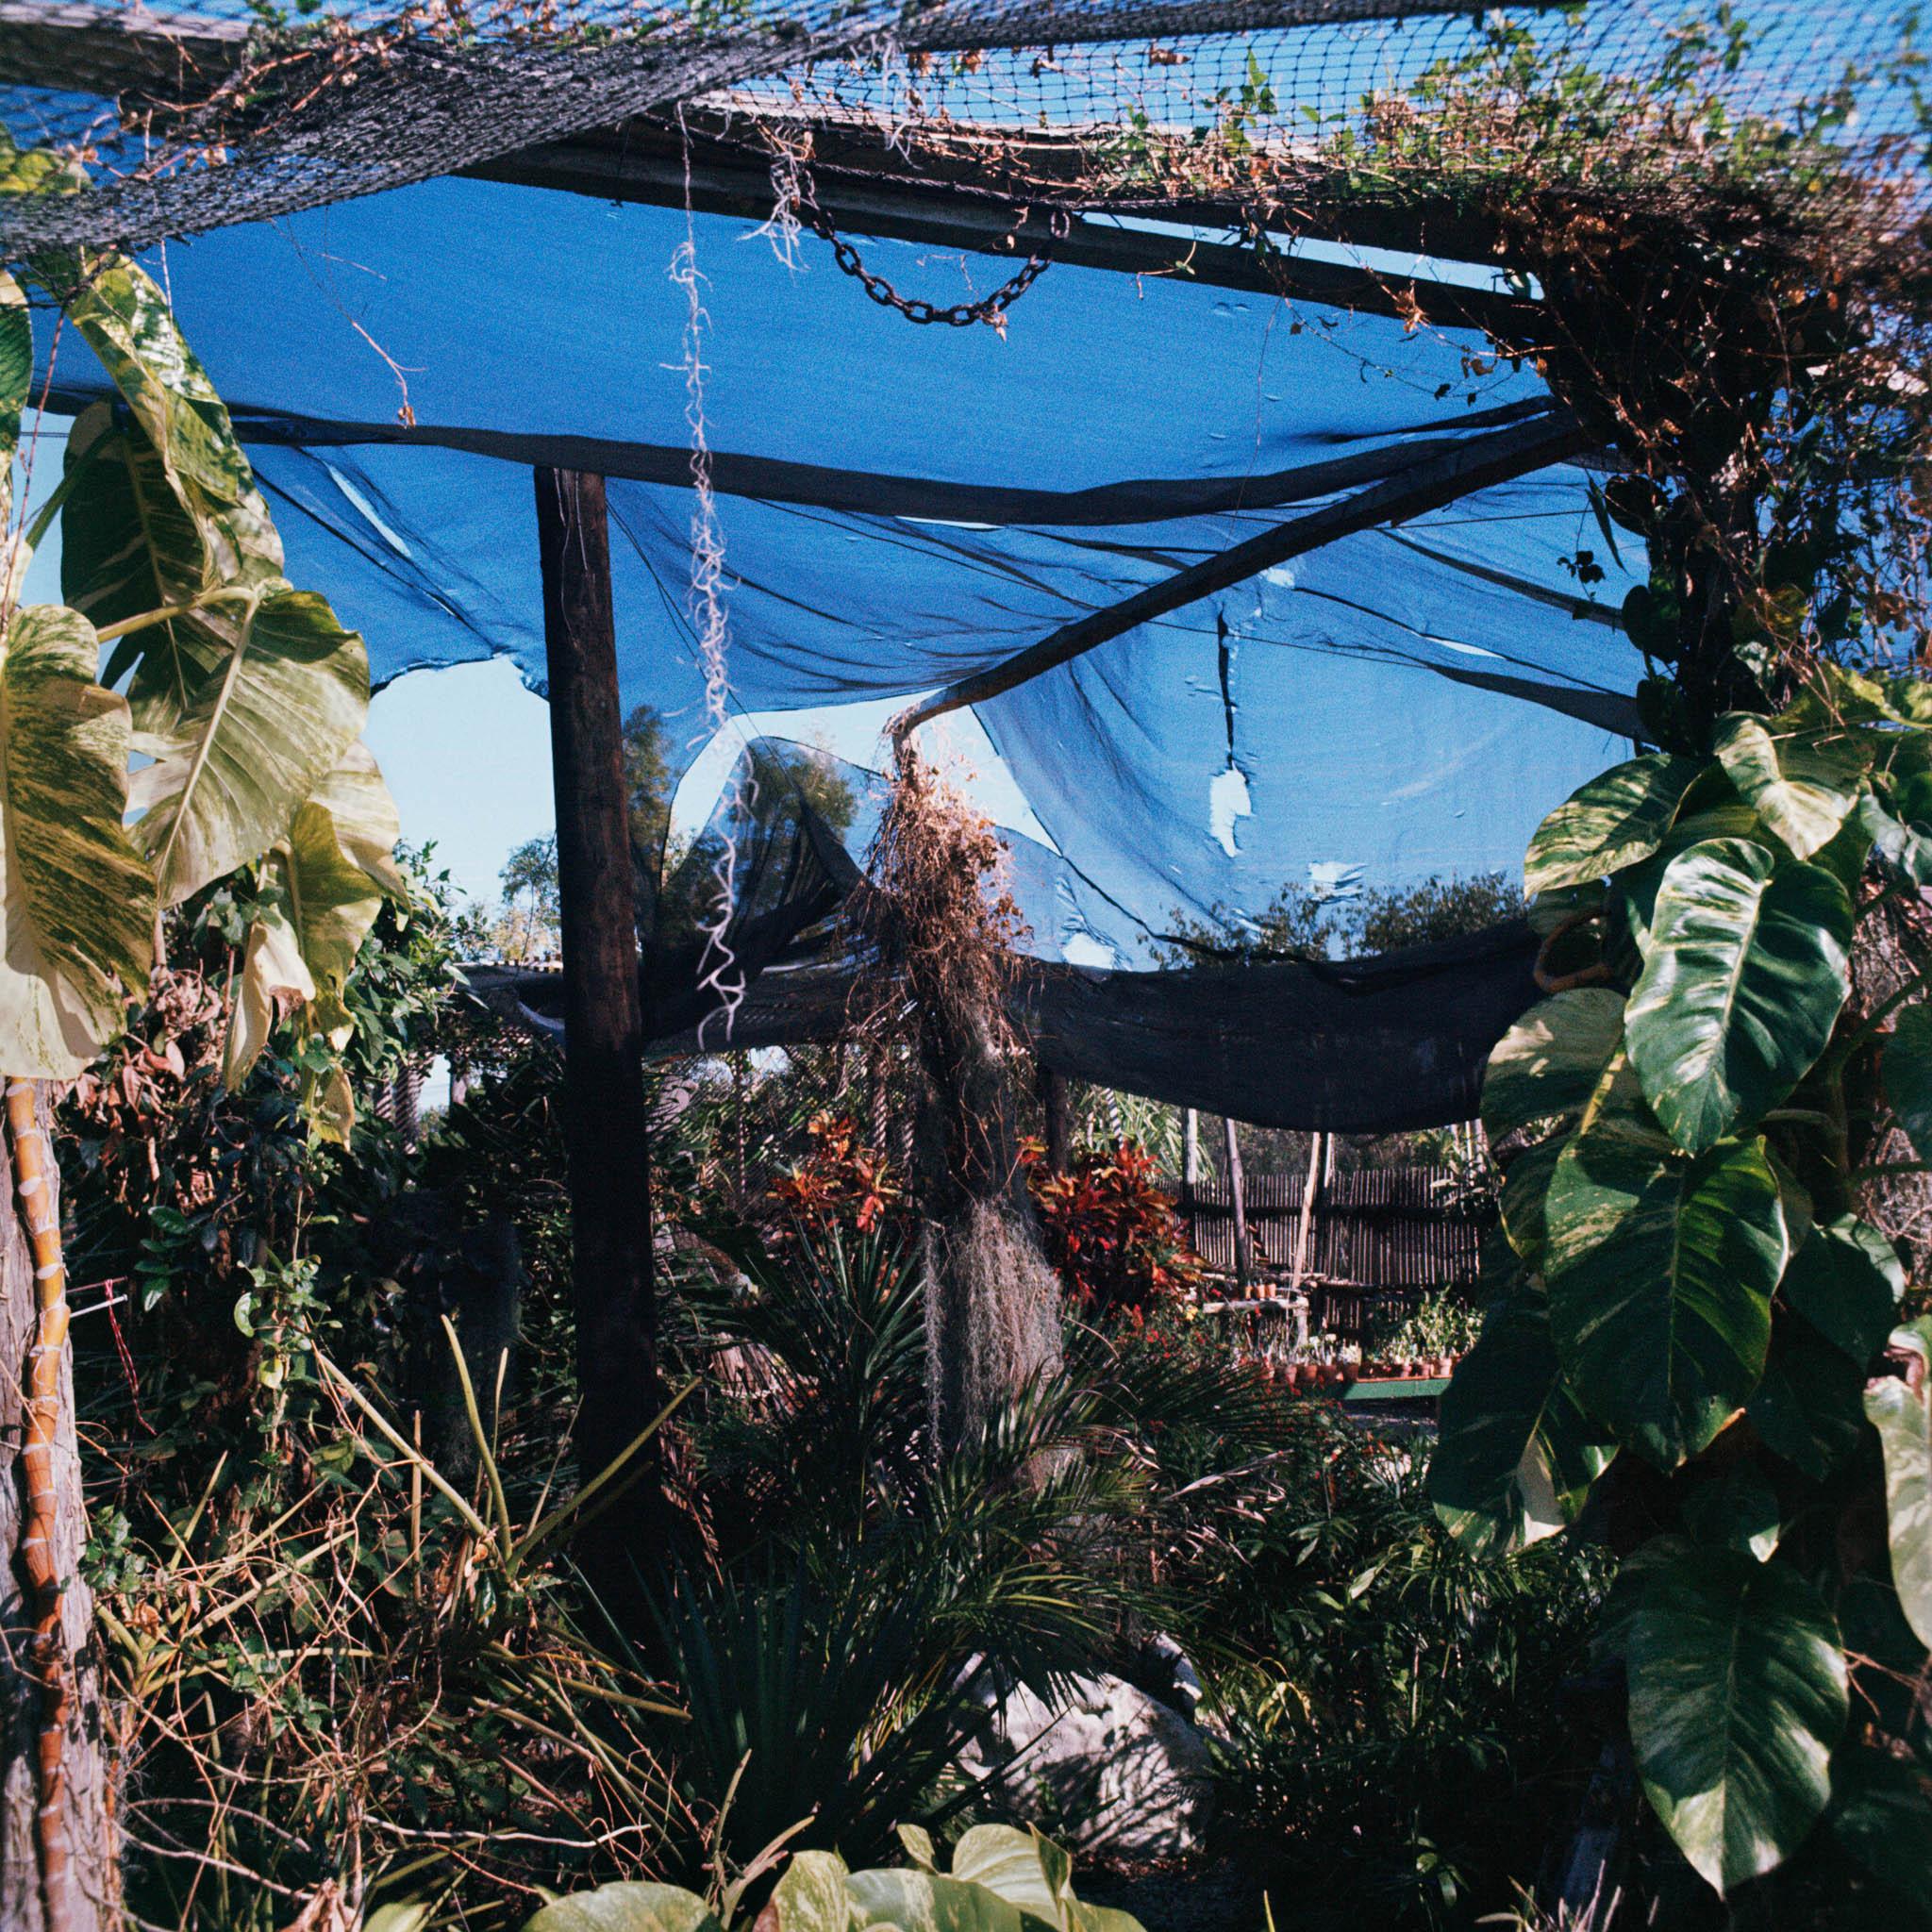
column 604, row 1116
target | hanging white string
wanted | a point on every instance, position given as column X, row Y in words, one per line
column 718, row 969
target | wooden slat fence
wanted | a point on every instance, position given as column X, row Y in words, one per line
column 1383, row 1229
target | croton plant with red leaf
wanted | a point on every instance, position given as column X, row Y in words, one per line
column 840, row 1182
column 1110, row 1230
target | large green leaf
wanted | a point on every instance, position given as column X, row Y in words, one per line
column 1746, row 972
column 1805, row 1408
column 256, row 739
column 1515, row 1456
column 627, row 1908
column 77, row 917
column 1547, row 1065
column 1901, row 1410
column 1908, row 1070
column 1847, row 1281
column 812, row 1896
column 132, row 544
column 1618, row 818
column 923, row 1902
column 1737, row 1699
column 124, row 317
column 1803, row 783
column 1660, row 1272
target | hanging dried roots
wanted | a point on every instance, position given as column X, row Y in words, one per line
column 34, row 1173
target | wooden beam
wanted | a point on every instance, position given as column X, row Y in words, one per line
column 603, row 1117
column 1481, row 461
column 981, row 188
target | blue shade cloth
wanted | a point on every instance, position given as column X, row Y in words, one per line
column 1398, row 706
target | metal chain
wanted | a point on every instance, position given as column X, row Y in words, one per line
column 991, row 309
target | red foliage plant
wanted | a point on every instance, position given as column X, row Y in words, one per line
column 1112, row 1234
column 840, row 1182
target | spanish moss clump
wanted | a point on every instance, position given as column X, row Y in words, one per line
column 936, row 927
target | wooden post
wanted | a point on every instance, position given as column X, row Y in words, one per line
column 1243, row 1261
column 1191, row 1159
column 603, row 1118
column 1057, row 1104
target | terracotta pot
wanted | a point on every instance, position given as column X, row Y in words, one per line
column 1301, row 1376
column 1444, row 1365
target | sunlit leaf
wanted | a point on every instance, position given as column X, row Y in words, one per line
column 1618, row 818
column 77, row 917
column 810, row 1897
column 272, row 973
column 1900, row 1409
column 923, row 1902
column 1549, row 1062
column 627, row 1908
column 1803, row 783
column 124, row 319
column 1747, row 969
column 1660, row 1271
column 1737, row 1696
column 16, row 377
column 257, row 738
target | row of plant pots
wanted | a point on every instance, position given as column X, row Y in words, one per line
column 1313, row 1378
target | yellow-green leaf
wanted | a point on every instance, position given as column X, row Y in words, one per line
column 1803, row 784
column 256, row 739
column 76, row 922
column 273, row 969
column 1901, row 1410
column 1620, row 816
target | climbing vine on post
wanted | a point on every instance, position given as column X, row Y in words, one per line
column 1690, row 1313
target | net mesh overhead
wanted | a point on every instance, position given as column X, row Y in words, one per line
column 193, row 119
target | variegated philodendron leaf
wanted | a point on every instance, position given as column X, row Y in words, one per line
column 331, row 874
column 1900, row 1409
column 1620, row 816
column 78, row 909
column 16, row 379
column 124, row 319
column 133, row 546
column 1803, row 783
column 257, row 737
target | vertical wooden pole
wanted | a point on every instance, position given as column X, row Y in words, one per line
column 603, row 1118
column 1057, row 1105
column 1237, row 1196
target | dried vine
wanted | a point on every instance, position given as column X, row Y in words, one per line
column 35, row 1173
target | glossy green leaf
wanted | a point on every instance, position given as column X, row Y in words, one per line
column 1515, row 1456
column 923, row 1902
column 1806, row 1406
column 1022, row 1868
column 1526, row 1189
column 627, row 1908
column 1900, row 1409
column 256, row 739
column 1660, row 1272
column 78, row 915
column 1803, row 783
column 1908, row 1070
column 1847, row 1281
column 811, row 1895
column 1738, row 1697
column 1548, row 1064
column 1618, row 818
column 1748, row 970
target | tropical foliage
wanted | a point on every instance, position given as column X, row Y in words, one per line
column 182, row 640
column 1689, row 1301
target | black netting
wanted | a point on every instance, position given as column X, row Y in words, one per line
column 188, row 121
